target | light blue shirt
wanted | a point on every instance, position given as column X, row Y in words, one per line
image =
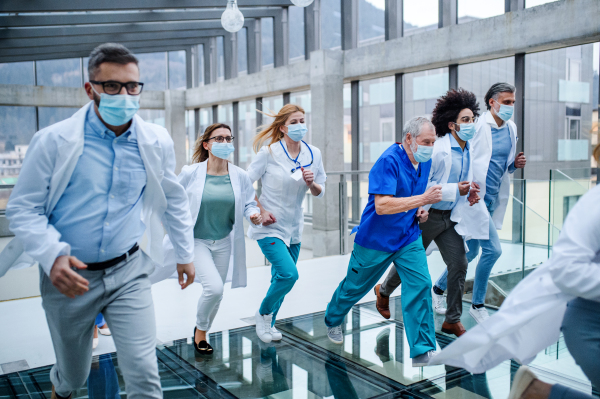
column 99, row 213
column 501, row 146
column 459, row 171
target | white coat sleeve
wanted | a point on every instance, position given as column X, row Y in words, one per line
column 320, row 176
column 26, row 209
column 177, row 220
column 258, row 167
column 575, row 266
column 435, row 176
column 248, row 195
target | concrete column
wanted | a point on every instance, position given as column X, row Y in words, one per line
column 189, row 67
column 453, row 72
column 448, row 13
column 175, row 124
column 215, row 114
column 399, row 106
column 514, row 5
column 230, row 52
column 312, row 28
column 207, row 62
column 519, row 119
column 281, row 32
column 327, row 104
column 394, row 19
column 286, row 97
column 253, row 40
column 349, row 24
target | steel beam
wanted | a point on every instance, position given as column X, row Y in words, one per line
column 312, row 28
column 399, row 106
column 448, row 13
column 230, row 55
column 514, row 5
column 254, row 43
column 349, row 24
column 355, row 134
column 281, row 45
column 394, row 19
column 453, row 72
column 286, row 97
column 27, row 20
column 19, row 6
column 235, row 127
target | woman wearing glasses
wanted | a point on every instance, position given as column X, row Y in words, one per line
column 454, row 118
column 287, row 168
column 220, row 195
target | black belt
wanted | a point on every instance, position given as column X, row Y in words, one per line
column 111, row 262
column 433, row 210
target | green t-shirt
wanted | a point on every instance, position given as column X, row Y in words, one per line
column 217, row 211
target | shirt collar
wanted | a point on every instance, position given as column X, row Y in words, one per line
column 101, row 130
column 405, row 157
column 454, row 143
column 489, row 118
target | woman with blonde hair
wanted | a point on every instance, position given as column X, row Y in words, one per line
column 220, row 195
column 287, row 167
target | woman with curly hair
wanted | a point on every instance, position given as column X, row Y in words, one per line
column 454, row 120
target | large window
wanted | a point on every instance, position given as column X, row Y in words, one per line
column 371, row 22
column 331, row 24
column 533, row 3
column 225, row 114
column 153, row 116
column 16, row 130
column 478, row 77
column 246, row 132
column 420, row 15
column 267, row 43
column 347, row 127
column 296, row 33
column 421, row 91
column 242, row 51
column 220, row 59
column 302, row 98
column 50, row 115
column 66, row 73
column 177, row 70
column 17, row 73
column 470, row 10
column 153, row 70
column 560, row 109
column 190, row 137
column 271, row 105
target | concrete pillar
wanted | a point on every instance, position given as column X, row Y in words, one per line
column 230, row 51
column 448, row 13
column 514, row 5
column 312, row 28
column 175, row 124
column 453, row 72
column 286, row 97
column 281, row 43
column 254, row 45
column 327, row 104
column 394, row 19
column 349, row 24
column 399, row 106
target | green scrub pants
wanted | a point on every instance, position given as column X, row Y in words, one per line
column 283, row 272
column 366, row 268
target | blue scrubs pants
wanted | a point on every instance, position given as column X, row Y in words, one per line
column 366, row 268
column 283, row 272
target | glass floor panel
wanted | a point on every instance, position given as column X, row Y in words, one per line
column 373, row 362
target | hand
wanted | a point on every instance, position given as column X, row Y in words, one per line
column 189, row 270
column 463, row 188
column 308, row 176
column 65, row 279
column 433, row 195
column 422, row 215
column 520, row 160
column 473, row 198
column 267, row 218
column 256, row 219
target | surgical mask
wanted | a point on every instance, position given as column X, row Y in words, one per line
column 422, row 153
column 222, row 150
column 118, row 109
column 505, row 112
column 297, row 132
column 466, row 132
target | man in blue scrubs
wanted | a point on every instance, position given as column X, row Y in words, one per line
column 389, row 232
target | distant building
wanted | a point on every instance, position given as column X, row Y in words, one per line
column 12, row 161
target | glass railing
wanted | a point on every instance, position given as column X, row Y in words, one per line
column 5, row 190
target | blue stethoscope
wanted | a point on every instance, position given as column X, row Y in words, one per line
column 295, row 161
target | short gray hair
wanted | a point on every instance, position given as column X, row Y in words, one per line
column 495, row 91
column 109, row 52
column 415, row 126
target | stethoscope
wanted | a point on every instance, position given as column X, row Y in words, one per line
column 295, row 161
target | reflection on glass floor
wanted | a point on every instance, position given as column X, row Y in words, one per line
column 373, row 362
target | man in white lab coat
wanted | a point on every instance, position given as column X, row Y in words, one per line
column 92, row 189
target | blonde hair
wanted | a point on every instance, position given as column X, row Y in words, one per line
column 201, row 153
column 272, row 133
column 596, row 153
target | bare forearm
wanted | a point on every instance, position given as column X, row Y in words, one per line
column 258, row 204
column 390, row 205
column 315, row 189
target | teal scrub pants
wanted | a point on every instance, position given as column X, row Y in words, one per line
column 283, row 272
column 366, row 268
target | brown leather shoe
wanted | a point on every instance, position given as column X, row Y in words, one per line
column 453, row 328
column 383, row 303
column 55, row 396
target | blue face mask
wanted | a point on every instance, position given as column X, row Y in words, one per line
column 297, row 132
column 423, row 153
column 505, row 112
column 466, row 132
column 222, row 150
column 118, row 109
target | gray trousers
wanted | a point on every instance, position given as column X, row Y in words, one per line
column 440, row 228
column 122, row 294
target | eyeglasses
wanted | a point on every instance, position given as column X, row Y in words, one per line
column 468, row 119
column 221, row 139
column 112, row 87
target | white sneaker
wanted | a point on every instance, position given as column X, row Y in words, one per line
column 480, row 315
column 275, row 334
column 423, row 360
column 335, row 334
column 438, row 302
column 523, row 378
column 263, row 327
column 95, row 343
column 104, row 331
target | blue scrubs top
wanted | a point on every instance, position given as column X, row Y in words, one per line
column 392, row 174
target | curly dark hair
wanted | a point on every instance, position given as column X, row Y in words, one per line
column 449, row 106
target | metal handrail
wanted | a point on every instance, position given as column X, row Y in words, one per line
column 6, row 186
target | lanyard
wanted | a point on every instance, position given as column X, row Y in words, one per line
column 295, row 161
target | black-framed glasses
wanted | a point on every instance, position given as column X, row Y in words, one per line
column 113, row 87
column 221, row 139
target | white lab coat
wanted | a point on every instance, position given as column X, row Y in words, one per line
column 530, row 318
column 47, row 169
column 476, row 219
column 441, row 165
column 193, row 178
